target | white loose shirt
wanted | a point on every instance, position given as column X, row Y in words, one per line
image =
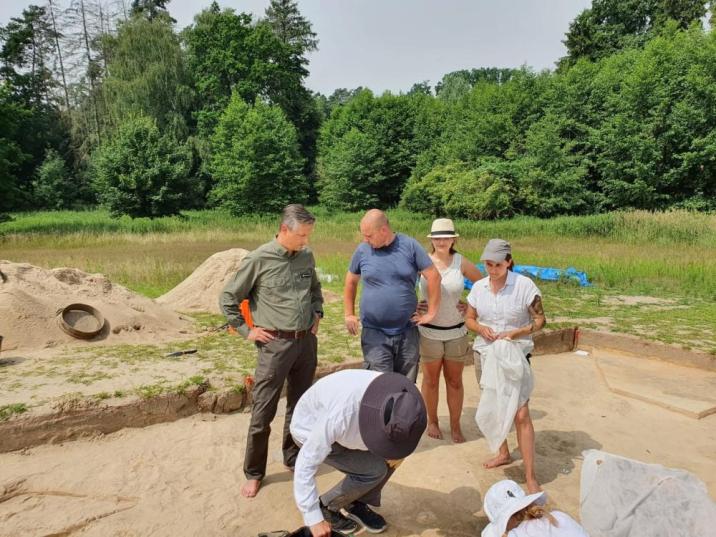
column 506, row 310
column 326, row 413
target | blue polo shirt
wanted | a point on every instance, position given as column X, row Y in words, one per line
column 389, row 275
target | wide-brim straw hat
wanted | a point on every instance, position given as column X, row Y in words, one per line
column 442, row 228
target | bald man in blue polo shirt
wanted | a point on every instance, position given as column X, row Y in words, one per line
column 389, row 264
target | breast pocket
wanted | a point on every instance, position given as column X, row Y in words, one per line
column 274, row 287
column 516, row 315
column 303, row 279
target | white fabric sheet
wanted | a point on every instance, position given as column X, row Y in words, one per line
column 622, row 497
column 506, row 385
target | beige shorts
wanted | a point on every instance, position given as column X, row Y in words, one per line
column 456, row 350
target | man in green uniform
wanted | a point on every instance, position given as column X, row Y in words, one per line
column 279, row 280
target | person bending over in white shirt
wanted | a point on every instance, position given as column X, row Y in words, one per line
column 362, row 423
column 512, row 513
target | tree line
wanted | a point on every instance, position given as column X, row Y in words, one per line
column 106, row 102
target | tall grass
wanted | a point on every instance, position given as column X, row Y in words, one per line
column 629, row 227
column 672, row 253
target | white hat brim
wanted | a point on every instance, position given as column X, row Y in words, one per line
column 497, row 528
column 442, row 236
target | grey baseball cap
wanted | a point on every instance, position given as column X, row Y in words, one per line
column 496, row 250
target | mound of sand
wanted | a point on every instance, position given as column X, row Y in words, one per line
column 200, row 291
column 30, row 298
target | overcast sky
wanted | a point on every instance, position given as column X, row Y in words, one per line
column 391, row 44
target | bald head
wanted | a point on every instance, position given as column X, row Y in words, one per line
column 374, row 218
column 375, row 229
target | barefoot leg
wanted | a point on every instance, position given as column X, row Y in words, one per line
column 502, row 457
column 526, row 442
column 250, row 488
column 455, row 395
column 431, row 390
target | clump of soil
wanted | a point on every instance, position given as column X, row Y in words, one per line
column 31, row 298
column 201, row 289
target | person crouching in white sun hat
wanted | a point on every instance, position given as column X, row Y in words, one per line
column 512, row 513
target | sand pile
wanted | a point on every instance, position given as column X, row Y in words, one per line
column 30, row 298
column 200, row 291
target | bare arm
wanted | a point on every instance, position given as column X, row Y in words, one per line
column 471, row 322
column 432, row 275
column 538, row 321
column 470, row 271
column 350, row 290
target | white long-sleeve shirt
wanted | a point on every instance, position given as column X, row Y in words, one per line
column 326, row 413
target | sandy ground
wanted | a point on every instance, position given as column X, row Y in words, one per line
column 183, row 478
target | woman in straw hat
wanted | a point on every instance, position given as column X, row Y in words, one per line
column 444, row 344
column 512, row 513
column 505, row 309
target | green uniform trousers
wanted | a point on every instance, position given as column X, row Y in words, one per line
column 280, row 360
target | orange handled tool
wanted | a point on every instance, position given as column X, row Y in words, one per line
column 246, row 312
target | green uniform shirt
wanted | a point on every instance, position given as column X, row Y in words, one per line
column 283, row 290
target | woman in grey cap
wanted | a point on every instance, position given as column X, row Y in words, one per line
column 444, row 344
column 507, row 306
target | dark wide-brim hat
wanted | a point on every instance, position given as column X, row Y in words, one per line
column 392, row 416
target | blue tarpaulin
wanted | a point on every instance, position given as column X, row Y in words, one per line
column 543, row 273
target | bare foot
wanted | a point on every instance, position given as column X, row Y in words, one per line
column 434, row 431
column 250, row 488
column 457, row 436
column 533, row 486
column 499, row 460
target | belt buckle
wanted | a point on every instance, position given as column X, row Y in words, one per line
column 295, row 334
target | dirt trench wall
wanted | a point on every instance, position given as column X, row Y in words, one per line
column 74, row 423
column 653, row 349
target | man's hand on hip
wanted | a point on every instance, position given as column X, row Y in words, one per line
column 352, row 324
column 322, row 529
column 258, row 334
column 316, row 322
column 425, row 318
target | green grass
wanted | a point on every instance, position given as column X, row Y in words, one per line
column 7, row 411
column 637, row 252
column 670, row 255
column 148, row 391
column 67, row 227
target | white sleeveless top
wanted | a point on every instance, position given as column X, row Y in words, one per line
column 450, row 294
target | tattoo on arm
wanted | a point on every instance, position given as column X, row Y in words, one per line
column 537, row 313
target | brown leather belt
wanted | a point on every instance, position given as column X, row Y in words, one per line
column 283, row 334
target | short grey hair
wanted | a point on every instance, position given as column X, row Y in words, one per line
column 295, row 215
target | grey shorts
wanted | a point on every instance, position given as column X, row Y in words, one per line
column 456, row 350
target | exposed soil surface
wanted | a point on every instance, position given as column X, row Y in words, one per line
column 183, row 478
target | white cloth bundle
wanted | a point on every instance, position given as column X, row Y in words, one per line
column 506, row 385
column 622, row 497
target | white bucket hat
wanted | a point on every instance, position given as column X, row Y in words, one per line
column 504, row 499
column 442, row 228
